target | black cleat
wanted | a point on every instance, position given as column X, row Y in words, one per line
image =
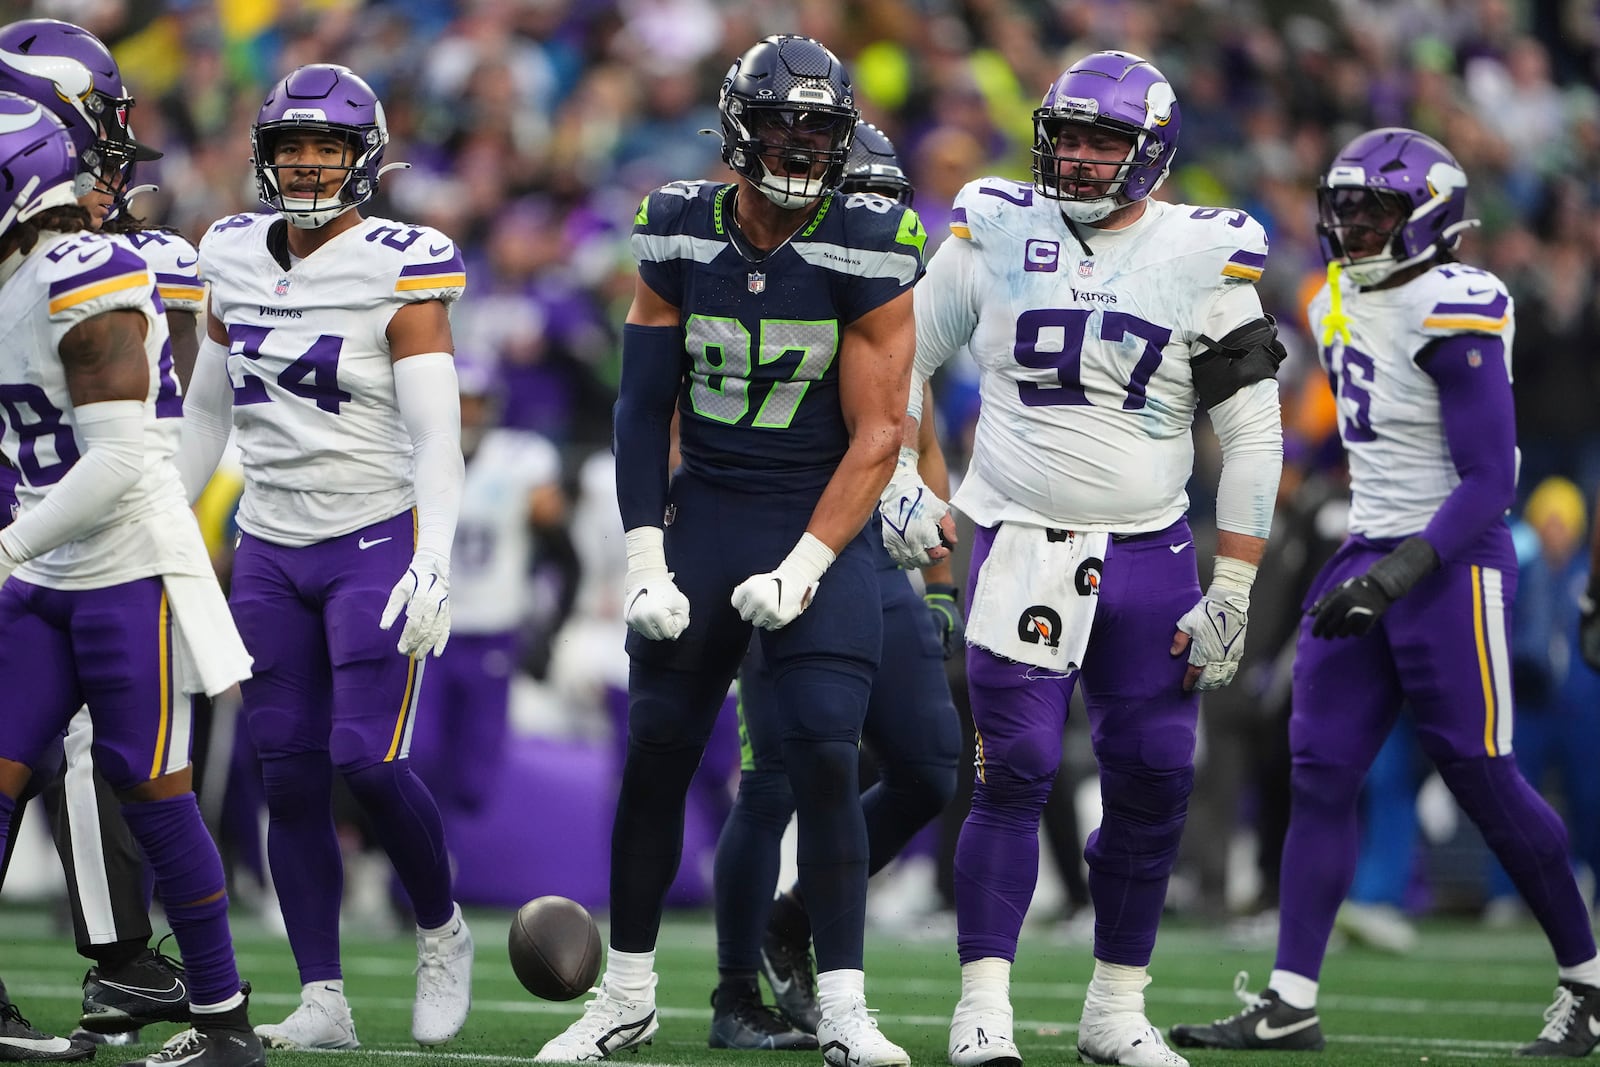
column 1265, row 1023
column 148, row 990
column 741, row 1021
column 787, row 965
column 223, row 1039
column 21, row 1043
column 1571, row 1024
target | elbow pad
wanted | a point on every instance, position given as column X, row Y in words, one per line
column 1248, row 354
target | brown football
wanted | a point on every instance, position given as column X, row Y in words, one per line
column 555, row 948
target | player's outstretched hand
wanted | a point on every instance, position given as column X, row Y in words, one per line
column 1213, row 632
column 656, row 607
column 423, row 592
column 917, row 527
column 944, row 603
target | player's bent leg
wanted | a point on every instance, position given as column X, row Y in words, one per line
column 1265, row 1022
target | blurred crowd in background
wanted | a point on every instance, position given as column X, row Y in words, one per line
column 534, row 127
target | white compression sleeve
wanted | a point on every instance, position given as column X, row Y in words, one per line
column 1249, row 426
column 429, row 398
column 207, row 418
column 112, row 434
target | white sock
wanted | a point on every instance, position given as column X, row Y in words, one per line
column 630, row 973
column 450, row 926
column 837, row 991
column 1295, row 990
column 1585, row 973
column 986, row 984
column 1115, row 988
column 214, row 1009
column 314, row 990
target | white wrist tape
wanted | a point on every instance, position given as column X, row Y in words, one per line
column 1235, row 574
column 647, row 556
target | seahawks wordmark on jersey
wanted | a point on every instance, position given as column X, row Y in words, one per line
column 65, row 280
column 314, row 412
column 1084, row 341
column 1389, row 418
column 760, row 407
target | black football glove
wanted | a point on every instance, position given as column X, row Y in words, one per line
column 944, row 601
column 1589, row 623
column 1355, row 605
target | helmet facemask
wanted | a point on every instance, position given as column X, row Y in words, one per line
column 298, row 190
column 792, row 153
column 1056, row 175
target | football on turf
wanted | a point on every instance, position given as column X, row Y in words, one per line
column 555, row 948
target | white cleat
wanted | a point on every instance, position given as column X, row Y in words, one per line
column 982, row 1038
column 322, row 1021
column 608, row 1025
column 444, row 984
column 851, row 1039
column 1127, row 1038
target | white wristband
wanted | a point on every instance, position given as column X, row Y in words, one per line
column 647, row 555
column 808, row 559
column 1235, row 574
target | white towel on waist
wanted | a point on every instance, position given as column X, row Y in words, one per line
column 208, row 653
column 1035, row 597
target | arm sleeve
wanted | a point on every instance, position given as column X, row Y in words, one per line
column 1480, row 430
column 652, row 370
column 1249, row 425
column 946, row 314
column 112, row 434
column 207, row 418
column 429, row 398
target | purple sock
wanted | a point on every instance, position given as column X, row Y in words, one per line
column 996, row 868
column 188, row 875
column 303, row 851
column 406, row 822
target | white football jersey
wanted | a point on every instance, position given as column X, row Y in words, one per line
column 314, row 412
column 489, row 560
column 1083, row 352
column 1389, row 419
column 176, row 265
column 66, row 279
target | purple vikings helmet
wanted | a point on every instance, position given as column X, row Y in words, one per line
column 67, row 69
column 790, row 97
column 1401, row 185
column 1114, row 91
column 327, row 99
column 38, row 161
column 873, row 166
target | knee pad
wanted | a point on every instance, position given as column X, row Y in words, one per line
column 1144, row 811
column 920, row 789
column 298, row 784
column 765, row 799
column 1325, row 785
column 818, row 702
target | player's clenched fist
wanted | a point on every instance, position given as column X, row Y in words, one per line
column 775, row 599
column 652, row 604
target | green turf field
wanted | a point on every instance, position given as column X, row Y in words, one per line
column 1467, row 994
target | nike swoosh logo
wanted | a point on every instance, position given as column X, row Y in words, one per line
column 779, row 583
column 624, row 1035
column 364, row 544
column 1480, row 292
column 779, row 988
column 432, row 251
column 1175, row 549
column 188, row 262
column 84, row 257
column 907, row 510
column 171, row 995
column 635, row 600
column 36, row 1044
column 1267, row 1032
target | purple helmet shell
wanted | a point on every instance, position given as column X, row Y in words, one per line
column 326, row 99
column 38, row 161
column 1117, row 91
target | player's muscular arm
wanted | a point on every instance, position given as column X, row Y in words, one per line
column 108, row 380
column 936, row 476
column 420, row 328
column 184, row 329
column 875, row 355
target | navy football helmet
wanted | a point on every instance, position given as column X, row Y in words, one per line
column 787, row 110
column 873, row 166
column 1115, row 91
column 1395, row 196
column 327, row 99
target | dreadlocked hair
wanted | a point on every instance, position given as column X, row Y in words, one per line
column 68, row 218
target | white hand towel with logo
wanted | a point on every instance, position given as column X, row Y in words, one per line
column 1035, row 597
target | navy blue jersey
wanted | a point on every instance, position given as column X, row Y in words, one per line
column 759, row 405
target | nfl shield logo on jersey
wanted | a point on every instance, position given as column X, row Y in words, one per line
column 282, row 286
column 757, row 282
column 1085, row 268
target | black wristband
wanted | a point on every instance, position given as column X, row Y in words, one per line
column 1403, row 568
column 943, row 589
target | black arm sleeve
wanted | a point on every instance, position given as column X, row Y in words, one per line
column 1249, row 354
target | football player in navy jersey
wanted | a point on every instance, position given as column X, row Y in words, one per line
column 911, row 725
column 774, row 315
column 1413, row 610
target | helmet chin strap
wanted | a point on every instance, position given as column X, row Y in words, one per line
column 1089, row 212
column 309, row 218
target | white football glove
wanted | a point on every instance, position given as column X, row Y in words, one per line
column 424, row 593
column 911, row 515
column 775, row 599
column 652, row 604
column 1216, row 627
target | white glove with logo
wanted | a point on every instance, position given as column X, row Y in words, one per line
column 424, row 593
column 653, row 606
column 911, row 515
column 1216, row 627
column 775, row 599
